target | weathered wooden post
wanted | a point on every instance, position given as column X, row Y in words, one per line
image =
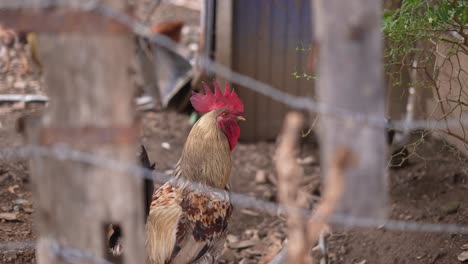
column 350, row 77
column 86, row 66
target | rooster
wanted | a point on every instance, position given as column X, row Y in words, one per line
column 189, row 214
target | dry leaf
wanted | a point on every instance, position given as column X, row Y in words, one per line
column 243, row 244
column 232, row 239
column 8, row 216
column 306, row 160
column 463, row 256
column 13, row 188
column 249, row 212
column 28, row 210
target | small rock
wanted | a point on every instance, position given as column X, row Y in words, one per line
column 306, row 160
column 261, row 177
column 8, row 216
column 407, row 217
column 21, row 202
column 28, row 210
column 465, row 246
column 450, row 207
column 13, row 188
column 463, row 256
column 166, row 145
column 251, row 234
column 362, row 262
column 243, row 244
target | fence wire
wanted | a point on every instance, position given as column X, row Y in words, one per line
column 65, row 153
column 204, row 62
column 73, row 255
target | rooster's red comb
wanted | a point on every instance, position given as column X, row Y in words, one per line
column 209, row 101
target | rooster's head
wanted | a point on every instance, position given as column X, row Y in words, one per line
column 227, row 106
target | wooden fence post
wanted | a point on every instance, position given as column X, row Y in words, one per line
column 87, row 81
column 350, row 77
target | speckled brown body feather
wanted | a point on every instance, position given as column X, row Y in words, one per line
column 188, row 220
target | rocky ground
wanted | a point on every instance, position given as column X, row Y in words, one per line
column 431, row 189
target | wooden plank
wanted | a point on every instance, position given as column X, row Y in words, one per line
column 88, row 83
column 265, row 36
column 350, row 78
column 293, row 41
column 278, row 47
column 263, row 124
column 245, row 61
column 306, row 87
column 224, row 32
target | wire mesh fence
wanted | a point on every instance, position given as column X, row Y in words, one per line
column 65, row 153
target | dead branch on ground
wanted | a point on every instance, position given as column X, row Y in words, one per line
column 302, row 235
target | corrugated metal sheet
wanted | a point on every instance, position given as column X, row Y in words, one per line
column 265, row 38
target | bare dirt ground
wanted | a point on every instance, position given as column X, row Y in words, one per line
column 431, row 189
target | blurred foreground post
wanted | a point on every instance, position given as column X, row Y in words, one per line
column 87, row 80
column 350, row 78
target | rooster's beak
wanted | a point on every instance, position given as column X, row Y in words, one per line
column 240, row 118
